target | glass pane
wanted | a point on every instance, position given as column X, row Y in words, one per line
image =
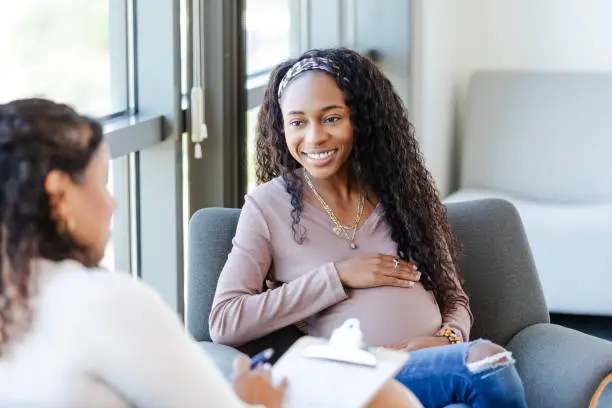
column 251, row 123
column 61, row 49
column 184, row 44
column 109, row 255
column 117, row 255
column 268, row 33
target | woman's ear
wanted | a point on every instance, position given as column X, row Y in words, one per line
column 56, row 185
column 55, row 182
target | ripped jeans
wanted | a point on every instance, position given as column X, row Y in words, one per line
column 441, row 377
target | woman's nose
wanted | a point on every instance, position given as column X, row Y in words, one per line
column 315, row 134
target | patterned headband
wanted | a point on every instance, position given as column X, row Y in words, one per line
column 307, row 64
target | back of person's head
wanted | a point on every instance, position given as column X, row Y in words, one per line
column 54, row 203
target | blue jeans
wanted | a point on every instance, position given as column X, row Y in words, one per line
column 440, row 377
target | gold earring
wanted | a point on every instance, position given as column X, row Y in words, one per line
column 66, row 226
column 70, row 224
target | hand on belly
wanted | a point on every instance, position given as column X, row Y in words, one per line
column 388, row 315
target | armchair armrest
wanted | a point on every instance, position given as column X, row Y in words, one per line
column 223, row 356
column 561, row 367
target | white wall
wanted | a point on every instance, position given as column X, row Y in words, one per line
column 454, row 38
column 433, row 81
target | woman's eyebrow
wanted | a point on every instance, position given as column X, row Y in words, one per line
column 324, row 109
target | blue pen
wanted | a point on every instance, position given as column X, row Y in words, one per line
column 261, row 357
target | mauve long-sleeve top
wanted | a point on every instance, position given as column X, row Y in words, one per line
column 311, row 291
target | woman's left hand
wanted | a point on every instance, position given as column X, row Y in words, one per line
column 421, row 343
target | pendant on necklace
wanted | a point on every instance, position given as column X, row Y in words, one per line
column 353, row 245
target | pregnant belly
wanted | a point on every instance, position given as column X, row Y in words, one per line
column 388, row 315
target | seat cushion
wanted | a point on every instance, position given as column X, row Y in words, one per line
column 572, row 248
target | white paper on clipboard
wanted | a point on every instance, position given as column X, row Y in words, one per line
column 318, row 379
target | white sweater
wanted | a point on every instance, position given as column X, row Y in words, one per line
column 101, row 339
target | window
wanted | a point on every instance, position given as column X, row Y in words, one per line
column 119, row 255
column 109, row 255
column 65, row 50
column 96, row 55
column 266, row 45
column 267, row 25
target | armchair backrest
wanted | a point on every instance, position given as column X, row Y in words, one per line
column 211, row 231
column 496, row 264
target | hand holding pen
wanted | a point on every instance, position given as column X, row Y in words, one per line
column 261, row 358
column 253, row 382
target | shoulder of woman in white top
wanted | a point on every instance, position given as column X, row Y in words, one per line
column 120, row 331
column 97, row 298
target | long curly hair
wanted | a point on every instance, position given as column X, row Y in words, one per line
column 36, row 136
column 385, row 159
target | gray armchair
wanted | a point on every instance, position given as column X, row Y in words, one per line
column 560, row 367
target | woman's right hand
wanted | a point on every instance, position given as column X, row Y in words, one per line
column 373, row 270
column 255, row 386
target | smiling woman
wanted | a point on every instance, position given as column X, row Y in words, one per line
column 338, row 161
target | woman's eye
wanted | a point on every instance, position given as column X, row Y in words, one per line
column 296, row 123
column 332, row 119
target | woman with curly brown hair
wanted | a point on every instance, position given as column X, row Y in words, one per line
column 71, row 334
column 347, row 221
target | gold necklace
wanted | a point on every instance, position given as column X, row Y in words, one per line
column 339, row 229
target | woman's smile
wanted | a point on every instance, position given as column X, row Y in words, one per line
column 319, row 158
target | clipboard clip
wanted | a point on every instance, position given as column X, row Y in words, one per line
column 345, row 345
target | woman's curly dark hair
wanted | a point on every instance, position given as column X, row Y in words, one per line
column 36, row 136
column 385, row 159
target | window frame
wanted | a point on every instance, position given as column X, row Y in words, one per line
column 222, row 79
column 148, row 134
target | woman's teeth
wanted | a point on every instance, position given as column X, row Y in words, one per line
column 321, row 155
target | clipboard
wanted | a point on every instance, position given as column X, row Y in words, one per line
column 336, row 373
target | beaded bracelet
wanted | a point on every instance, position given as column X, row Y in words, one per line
column 450, row 334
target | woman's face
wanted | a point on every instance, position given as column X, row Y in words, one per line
column 317, row 124
column 86, row 207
